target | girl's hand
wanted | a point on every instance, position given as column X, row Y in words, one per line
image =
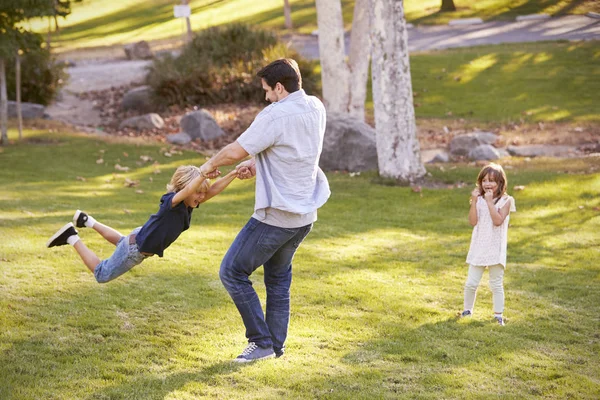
column 475, row 194
column 489, row 195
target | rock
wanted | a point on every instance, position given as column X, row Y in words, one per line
column 201, row 125
column 484, row 152
column 435, row 156
column 148, row 121
column 138, row 99
column 461, row 145
column 541, row 150
column 349, row 145
column 28, row 110
column 138, row 51
column 179, row 138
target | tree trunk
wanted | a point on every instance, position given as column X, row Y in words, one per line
column 287, row 12
column 18, row 93
column 3, row 105
column 360, row 52
column 396, row 132
column 335, row 73
column 448, row 5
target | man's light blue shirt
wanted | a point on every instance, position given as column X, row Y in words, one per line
column 286, row 139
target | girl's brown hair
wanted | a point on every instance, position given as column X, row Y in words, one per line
column 496, row 173
column 183, row 176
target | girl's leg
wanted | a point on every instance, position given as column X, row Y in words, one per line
column 497, row 288
column 473, row 279
column 108, row 233
column 90, row 259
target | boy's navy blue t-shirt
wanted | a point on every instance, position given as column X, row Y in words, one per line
column 164, row 227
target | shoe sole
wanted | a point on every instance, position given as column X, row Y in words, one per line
column 244, row 360
column 76, row 217
column 60, row 232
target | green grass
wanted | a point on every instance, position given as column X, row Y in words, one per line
column 376, row 286
column 109, row 22
column 547, row 81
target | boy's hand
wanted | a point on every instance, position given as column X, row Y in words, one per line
column 247, row 169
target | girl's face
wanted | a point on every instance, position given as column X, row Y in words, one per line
column 194, row 199
column 488, row 183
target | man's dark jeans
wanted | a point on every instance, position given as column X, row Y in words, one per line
column 261, row 244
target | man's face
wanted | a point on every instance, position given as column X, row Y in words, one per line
column 271, row 94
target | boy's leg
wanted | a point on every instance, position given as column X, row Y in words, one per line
column 108, row 233
column 89, row 258
column 278, row 279
column 497, row 288
column 473, row 279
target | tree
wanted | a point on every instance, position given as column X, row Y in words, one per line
column 287, row 12
column 344, row 82
column 448, row 5
column 396, row 131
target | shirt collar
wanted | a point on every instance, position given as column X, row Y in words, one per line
column 294, row 95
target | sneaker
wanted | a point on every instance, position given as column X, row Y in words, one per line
column 466, row 313
column 499, row 320
column 80, row 218
column 60, row 237
column 252, row 353
column 278, row 352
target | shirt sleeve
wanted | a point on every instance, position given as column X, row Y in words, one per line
column 259, row 136
column 513, row 207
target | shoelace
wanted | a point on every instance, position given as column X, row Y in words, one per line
column 251, row 347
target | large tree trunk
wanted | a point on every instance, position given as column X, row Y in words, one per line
column 3, row 105
column 397, row 144
column 287, row 12
column 360, row 52
column 18, row 93
column 448, row 5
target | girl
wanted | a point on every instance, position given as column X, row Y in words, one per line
column 188, row 188
column 489, row 216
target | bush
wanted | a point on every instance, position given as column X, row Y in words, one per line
column 220, row 66
column 41, row 76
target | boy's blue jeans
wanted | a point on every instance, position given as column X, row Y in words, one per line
column 261, row 244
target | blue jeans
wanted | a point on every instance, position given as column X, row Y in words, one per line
column 261, row 244
column 125, row 257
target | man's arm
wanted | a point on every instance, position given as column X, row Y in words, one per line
column 228, row 155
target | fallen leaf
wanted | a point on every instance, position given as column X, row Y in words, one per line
column 125, row 154
column 167, row 154
column 581, row 207
column 120, row 168
column 139, row 191
column 518, row 188
column 130, row 183
column 80, row 178
column 145, row 158
column 126, row 211
column 99, row 161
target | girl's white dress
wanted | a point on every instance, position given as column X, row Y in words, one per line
column 489, row 242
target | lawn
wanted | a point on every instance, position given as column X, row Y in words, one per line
column 94, row 23
column 376, row 287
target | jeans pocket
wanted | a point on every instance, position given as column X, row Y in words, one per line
column 272, row 238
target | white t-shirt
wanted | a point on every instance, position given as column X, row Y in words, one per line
column 286, row 139
column 489, row 242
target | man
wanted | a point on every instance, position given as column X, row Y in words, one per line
column 285, row 140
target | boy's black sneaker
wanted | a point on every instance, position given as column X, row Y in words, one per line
column 61, row 236
column 80, row 218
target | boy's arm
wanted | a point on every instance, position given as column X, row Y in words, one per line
column 220, row 185
column 191, row 187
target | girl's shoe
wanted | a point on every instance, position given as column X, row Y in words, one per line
column 466, row 313
column 499, row 320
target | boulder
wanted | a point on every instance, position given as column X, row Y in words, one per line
column 180, row 138
column 148, row 121
column 201, row 125
column 28, row 110
column 461, row 145
column 138, row 99
column 541, row 150
column 484, row 152
column 349, row 145
column 138, row 51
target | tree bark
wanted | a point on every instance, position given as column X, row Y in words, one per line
column 335, row 73
column 18, row 93
column 396, row 132
column 360, row 57
column 3, row 105
column 448, row 5
column 287, row 12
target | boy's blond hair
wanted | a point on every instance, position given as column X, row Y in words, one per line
column 183, row 176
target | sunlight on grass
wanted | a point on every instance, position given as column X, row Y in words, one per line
column 477, row 66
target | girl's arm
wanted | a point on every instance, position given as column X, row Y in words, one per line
column 191, row 187
column 498, row 216
column 220, row 185
column 473, row 208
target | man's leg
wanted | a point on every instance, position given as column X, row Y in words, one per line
column 254, row 246
column 278, row 279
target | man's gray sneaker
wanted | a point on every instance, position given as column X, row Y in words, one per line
column 252, row 353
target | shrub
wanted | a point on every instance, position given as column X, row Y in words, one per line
column 41, row 76
column 220, row 66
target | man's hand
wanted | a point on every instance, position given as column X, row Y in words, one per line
column 208, row 171
column 247, row 169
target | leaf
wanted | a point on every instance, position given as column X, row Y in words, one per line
column 120, row 168
column 518, row 188
column 130, row 183
column 80, row 178
column 99, row 161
